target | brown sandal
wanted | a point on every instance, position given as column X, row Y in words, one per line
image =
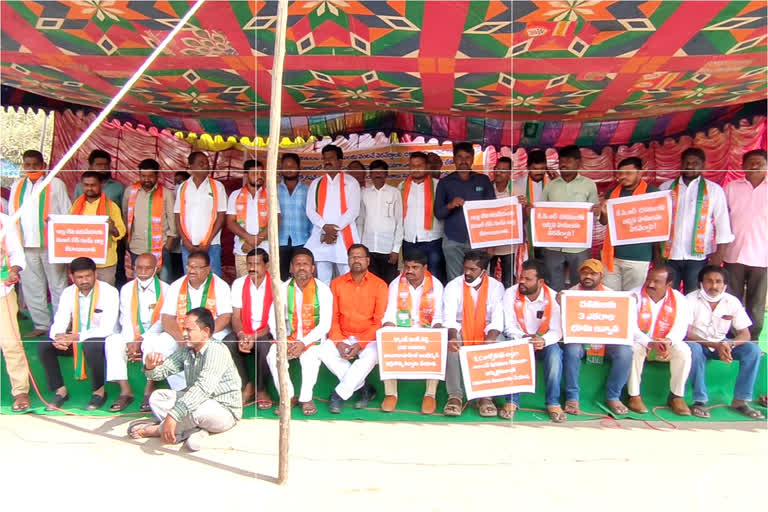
column 308, row 408
column 556, row 413
column 508, row 411
column 453, row 407
column 486, row 408
column 21, row 402
column 572, row 407
column 616, row 407
column 263, row 401
column 120, row 403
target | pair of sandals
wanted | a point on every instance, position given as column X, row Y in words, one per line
column 307, row 408
column 485, row 406
column 701, row 410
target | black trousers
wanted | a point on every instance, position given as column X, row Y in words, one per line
column 749, row 284
column 251, row 365
column 286, row 253
column 505, row 261
column 94, row 361
column 382, row 268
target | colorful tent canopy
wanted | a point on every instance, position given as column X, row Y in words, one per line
column 611, row 60
column 83, row 52
column 435, row 57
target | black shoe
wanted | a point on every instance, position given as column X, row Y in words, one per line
column 335, row 403
column 367, row 393
column 57, row 402
column 96, row 402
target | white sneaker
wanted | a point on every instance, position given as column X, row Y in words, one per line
column 195, row 441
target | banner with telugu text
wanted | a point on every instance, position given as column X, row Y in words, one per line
column 76, row 236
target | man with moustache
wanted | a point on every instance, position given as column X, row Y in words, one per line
column 531, row 311
column 715, row 312
column 452, row 191
column 295, row 226
column 211, row 402
column 664, row 316
column 569, row 187
column 698, row 207
column 422, row 230
column 528, row 189
column 627, row 265
column 39, row 276
column 470, row 322
column 333, row 204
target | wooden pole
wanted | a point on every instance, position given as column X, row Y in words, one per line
column 274, row 247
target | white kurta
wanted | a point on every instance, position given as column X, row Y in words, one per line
column 336, row 253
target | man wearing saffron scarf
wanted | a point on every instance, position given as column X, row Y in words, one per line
column 415, row 301
column 95, row 202
column 627, row 265
column 663, row 315
column 252, row 314
column 698, row 207
column 309, row 310
column 333, row 204
column 140, row 303
column 501, row 259
column 87, row 315
column 39, row 276
column 531, row 311
column 528, row 189
column 473, row 315
column 422, row 231
column 715, row 312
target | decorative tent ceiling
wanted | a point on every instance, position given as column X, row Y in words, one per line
column 436, row 57
column 84, row 51
column 604, row 60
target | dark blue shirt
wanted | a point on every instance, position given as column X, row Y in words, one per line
column 477, row 188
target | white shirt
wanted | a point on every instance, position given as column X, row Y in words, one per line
column 200, row 208
column 390, row 316
column 413, row 222
column 336, row 253
column 453, row 303
column 3, row 205
column 223, row 300
column 686, row 216
column 257, row 300
column 325, row 301
column 711, row 324
column 147, row 304
column 531, row 310
column 251, row 221
column 104, row 321
column 15, row 252
column 30, row 218
column 381, row 219
column 679, row 329
column 520, row 184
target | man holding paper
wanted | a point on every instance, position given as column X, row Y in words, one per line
column 531, row 311
column 415, row 300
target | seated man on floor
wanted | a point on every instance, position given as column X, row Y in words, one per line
column 211, row 401
column 140, row 303
column 87, row 315
column 664, row 316
column 531, row 311
column 252, row 314
column 473, row 316
column 415, row 300
column 714, row 313
column 308, row 312
column 359, row 304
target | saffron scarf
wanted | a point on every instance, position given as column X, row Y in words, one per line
column 426, row 304
column 241, row 207
column 77, row 350
column 184, row 302
column 473, row 316
column 429, row 202
column 44, row 210
column 664, row 321
column 155, row 226
column 545, row 318
column 310, row 310
column 607, row 253
column 79, row 205
column 698, row 243
column 138, row 327
column 183, row 214
column 246, row 314
column 321, row 194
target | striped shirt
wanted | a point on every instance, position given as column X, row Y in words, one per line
column 210, row 375
column 294, row 223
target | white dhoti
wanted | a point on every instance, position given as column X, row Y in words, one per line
column 351, row 375
column 679, row 368
column 310, row 365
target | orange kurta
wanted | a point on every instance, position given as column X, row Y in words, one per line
column 358, row 308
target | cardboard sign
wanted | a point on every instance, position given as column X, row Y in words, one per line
column 597, row 317
column 496, row 369
column 412, row 354
column 640, row 219
column 557, row 224
column 76, row 236
column 494, row 222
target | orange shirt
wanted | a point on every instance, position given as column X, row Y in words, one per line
column 358, row 308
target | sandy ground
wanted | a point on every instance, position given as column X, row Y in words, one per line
column 60, row 462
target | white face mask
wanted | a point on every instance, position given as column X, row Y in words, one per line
column 704, row 295
column 477, row 281
column 146, row 283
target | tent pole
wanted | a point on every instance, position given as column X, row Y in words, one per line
column 274, row 247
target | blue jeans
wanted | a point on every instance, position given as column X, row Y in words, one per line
column 748, row 356
column 166, row 271
column 434, row 252
column 553, row 372
column 621, row 358
column 214, row 252
column 687, row 272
